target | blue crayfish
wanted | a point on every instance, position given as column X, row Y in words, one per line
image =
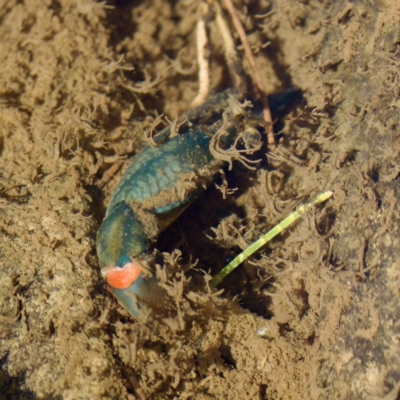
column 157, row 187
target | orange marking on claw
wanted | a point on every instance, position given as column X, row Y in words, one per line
column 122, row 278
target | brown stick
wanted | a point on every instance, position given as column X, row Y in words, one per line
column 256, row 75
column 235, row 65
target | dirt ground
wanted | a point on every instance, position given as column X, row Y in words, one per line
column 314, row 315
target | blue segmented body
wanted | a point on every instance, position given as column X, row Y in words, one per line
column 157, row 170
column 155, row 189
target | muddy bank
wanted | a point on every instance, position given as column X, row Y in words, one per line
column 316, row 311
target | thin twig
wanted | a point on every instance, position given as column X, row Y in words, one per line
column 204, row 70
column 276, row 230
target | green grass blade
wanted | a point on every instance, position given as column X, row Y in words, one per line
column 268, row 236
